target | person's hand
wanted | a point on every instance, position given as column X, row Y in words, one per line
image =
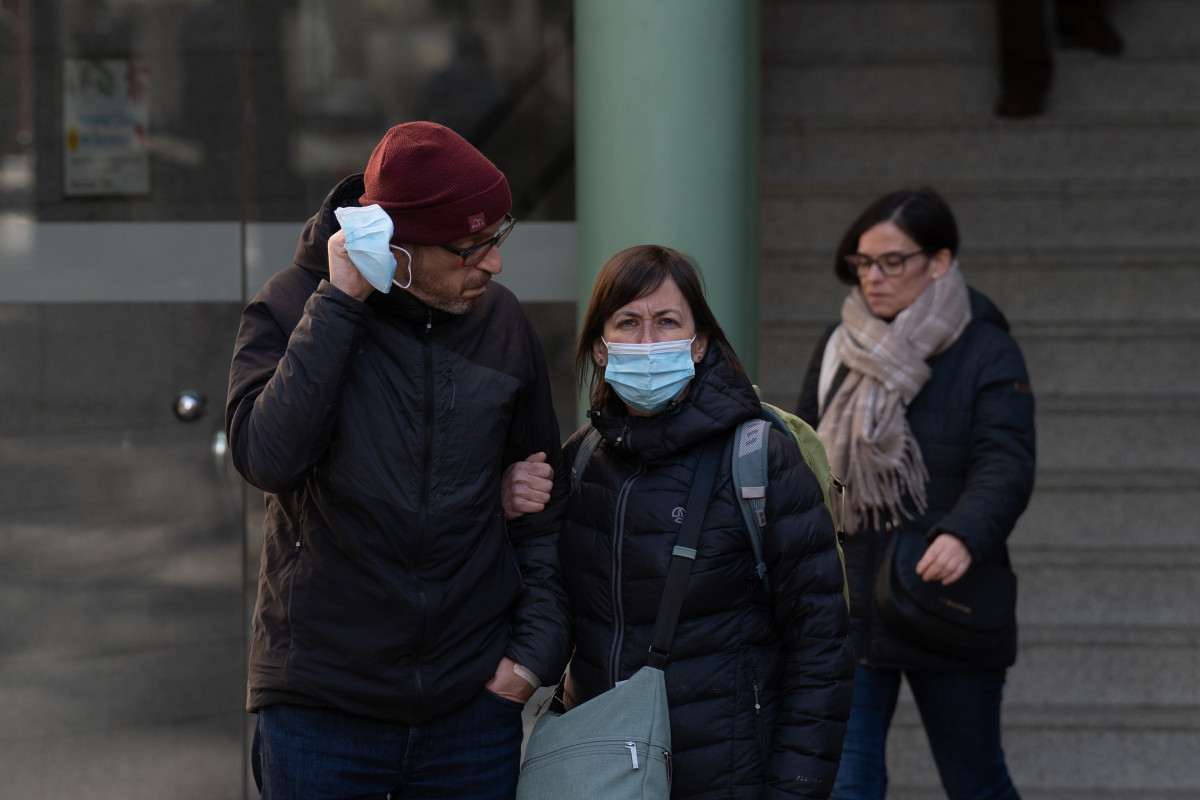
column 525, row 487
column 508, row 684
column 342, row 272
column 946, row 560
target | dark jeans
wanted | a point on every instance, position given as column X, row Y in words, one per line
column 473, row 752
column 961, row 715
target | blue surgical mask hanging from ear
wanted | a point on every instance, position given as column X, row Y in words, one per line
column 369, row 245
column 649, row 376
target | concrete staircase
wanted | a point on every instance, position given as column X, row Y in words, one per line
column 1083, row 225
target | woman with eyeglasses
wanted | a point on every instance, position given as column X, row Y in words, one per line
column 922, row 400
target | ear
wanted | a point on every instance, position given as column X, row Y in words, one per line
column 699, row 346
column 939, row 263
column 599, row 353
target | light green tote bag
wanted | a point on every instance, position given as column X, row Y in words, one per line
column 615, row 746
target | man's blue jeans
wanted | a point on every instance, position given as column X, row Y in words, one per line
column 961, row 715
column 473, row 752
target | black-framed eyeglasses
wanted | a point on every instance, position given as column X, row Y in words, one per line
column 473, row 255
column 890, row 264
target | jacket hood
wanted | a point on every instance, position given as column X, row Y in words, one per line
column 985, row 310
column 716, row 401
column 312, row 254
column 310, row 251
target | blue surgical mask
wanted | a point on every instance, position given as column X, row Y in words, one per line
column 369, row 244
column 649, row 376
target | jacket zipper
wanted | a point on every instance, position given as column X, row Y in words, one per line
column 614, row 659
column 428, row 352
column 623, row 437
column 759, row 725
column 612, row 746
column 292, row 578
column 425, row 482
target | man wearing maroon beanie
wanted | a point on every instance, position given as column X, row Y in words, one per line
column 402, row 622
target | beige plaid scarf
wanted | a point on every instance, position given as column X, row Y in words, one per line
column 865, row 428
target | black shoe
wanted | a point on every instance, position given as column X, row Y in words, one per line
column 1023, row 91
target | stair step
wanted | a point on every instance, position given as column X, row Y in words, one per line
column 1061, row 667
column 1106, row 635
column 1083, row 759
column 1043, row 156
column 1124, row 439
column 945, row 30
column 1098, row 590
column 1110, row 509
column 896, row 792
column 1088, row 89
column 1035, row 555
column 1061, row 716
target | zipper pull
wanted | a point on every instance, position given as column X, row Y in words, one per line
column 757, row 707
column 667, row 758
column 632, row 748
column 428, row 320
column 621, row 438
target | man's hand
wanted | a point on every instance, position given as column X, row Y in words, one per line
column 508, row 684
column 342, row 272
column 946, row 560
column 525, row 487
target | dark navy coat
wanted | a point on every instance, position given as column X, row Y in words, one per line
column 974, row 423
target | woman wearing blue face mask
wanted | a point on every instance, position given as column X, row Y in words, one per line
column 758, row 680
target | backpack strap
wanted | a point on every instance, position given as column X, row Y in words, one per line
column 749, row 469
column 683, row 556
column 583, row 455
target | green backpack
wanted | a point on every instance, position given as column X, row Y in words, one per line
column 750, row 477
column 749, row 465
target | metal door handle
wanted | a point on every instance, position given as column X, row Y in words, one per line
column 189, row 405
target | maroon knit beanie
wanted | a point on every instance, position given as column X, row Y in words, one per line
column 434, row 185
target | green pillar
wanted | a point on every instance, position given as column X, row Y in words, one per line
column 666, row 133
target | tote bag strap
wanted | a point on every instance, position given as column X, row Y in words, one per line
column 684, row 554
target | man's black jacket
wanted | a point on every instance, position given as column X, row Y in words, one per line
column 391, row 585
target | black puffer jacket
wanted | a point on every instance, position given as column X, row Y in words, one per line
column 974, row 423
column 737, row 647
column 389, row 586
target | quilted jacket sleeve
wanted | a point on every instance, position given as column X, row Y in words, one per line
column 806, row 578
column 541, row 638
column 289, row 366
column 1000, row 465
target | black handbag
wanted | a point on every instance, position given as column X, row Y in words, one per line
column 969, row 617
